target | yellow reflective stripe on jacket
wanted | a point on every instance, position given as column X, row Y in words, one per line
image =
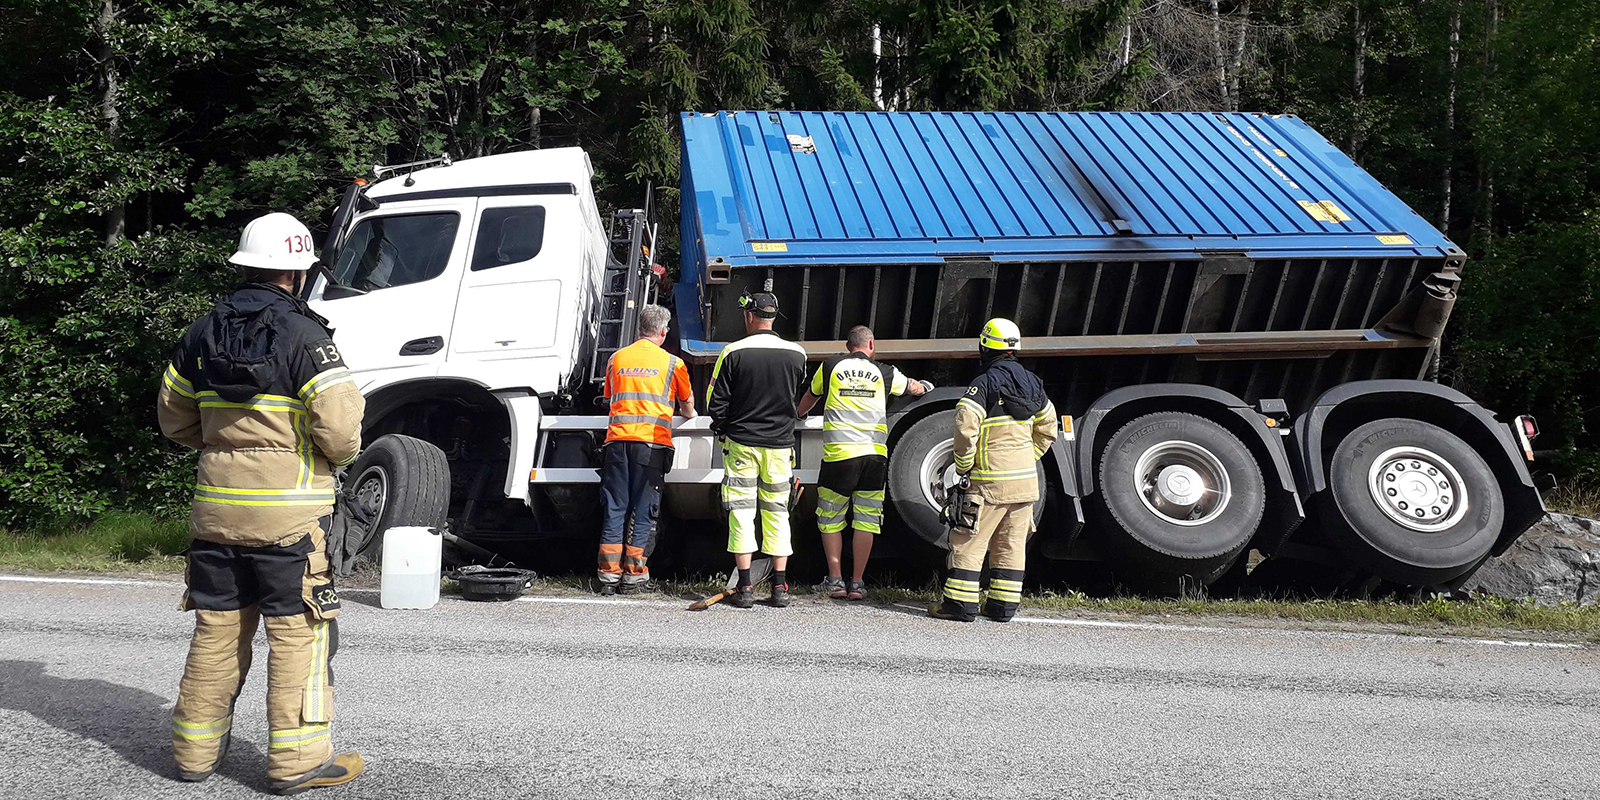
column 322, row 380
column 973, row 405
column 177, row 383
column 225, row 495
column 261, row 402
column 295, row 737
column 1002, row 474
column 201, row 731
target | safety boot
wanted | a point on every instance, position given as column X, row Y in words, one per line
column 340, row 770
column 222, row 754
column 608, row 589
column 780, row 595
column 944, row 611
column 743, row 597
column 646, row 586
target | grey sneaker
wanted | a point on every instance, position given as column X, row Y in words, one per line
column 832, row 587
column 857, row 591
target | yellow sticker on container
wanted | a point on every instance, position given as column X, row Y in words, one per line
column 1395, row 240
column 1316, row 210
column 769, row 247
column 1280, row 152
column 1324, row 211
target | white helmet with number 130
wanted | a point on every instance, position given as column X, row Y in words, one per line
column 275, row 241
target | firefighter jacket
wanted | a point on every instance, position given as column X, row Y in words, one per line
column 755, row 390
column 855, row 413
column 1004, row 425
column 258, row 387
column 643, row 381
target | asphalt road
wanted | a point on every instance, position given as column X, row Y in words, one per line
column 558, row 698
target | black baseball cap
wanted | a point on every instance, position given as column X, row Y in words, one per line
column 763, row 305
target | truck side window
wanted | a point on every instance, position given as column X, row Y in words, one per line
column 384, row 252
column 508, row 236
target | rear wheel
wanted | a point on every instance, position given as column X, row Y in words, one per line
column 921, row 467
column 1412, row 502
column 1179, row 495
column 396, row 481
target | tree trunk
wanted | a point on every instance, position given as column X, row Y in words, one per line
column 1358, row 85
column 1486, row 167
column 109, row 89
column 1216, row 53
column 877, row 66
column 1445, row 187
column 1238, row 54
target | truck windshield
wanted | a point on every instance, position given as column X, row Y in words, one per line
column 383, row 252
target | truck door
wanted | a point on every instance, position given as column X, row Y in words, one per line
column 520, row 277
column 402, row 269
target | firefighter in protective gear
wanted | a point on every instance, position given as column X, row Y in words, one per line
column 642, row 382
column 259, row 388
column 751, row 402
column 1004, row 425
column 855, row 392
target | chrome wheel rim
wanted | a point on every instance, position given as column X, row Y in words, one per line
column 372, row 493
column 1418, row 488
column 938, row 472
column 1182, row 483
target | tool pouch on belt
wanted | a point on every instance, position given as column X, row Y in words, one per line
column 961, row 506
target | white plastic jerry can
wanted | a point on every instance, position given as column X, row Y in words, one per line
column 411, row 564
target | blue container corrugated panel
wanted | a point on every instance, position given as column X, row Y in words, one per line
column 774, row 188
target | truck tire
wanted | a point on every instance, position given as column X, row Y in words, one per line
column 1411, row 502
column 1179, row 495
column 396, row 481
column 917, row 463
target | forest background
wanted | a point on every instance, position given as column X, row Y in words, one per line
column 137, row 137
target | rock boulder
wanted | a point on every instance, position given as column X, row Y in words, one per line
column 1557, row 560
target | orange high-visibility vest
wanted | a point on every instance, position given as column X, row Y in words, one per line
column 642, row 381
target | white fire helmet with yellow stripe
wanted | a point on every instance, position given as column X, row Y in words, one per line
column 1000, row 334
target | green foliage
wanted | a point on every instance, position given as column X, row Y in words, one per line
column 113, row 541
column 137, row 142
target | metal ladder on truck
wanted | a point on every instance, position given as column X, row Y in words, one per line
column 629, row 285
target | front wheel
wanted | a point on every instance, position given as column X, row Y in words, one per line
column 1179, row 495
column 921, row 466
column 1412, row 502
column 396, row 481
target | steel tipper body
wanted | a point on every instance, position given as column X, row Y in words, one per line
column 1188, row 285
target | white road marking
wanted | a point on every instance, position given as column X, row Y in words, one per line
column 1180, row 628
column 1080, row 623
column 84, row 581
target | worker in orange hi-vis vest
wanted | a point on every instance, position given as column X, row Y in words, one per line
column 642, row 383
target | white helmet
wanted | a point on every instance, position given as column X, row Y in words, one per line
column 275, row 241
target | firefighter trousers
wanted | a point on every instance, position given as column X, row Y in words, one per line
column 1001, row 534
column 757, row 479
column 231, row 590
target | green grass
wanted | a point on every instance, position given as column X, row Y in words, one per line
column 1581, row 500
column 139, row 542
column 1483, row 613
column 113, row 542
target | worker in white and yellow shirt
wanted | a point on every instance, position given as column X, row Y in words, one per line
column 855, row 391
column 1004, row 425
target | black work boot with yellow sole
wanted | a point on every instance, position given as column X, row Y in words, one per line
column 222, row 753
column 340, row 770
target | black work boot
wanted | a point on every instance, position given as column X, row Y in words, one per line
column 743, row 597
column 340, row 770
column 222, row 753
column 780, row 595
column 645, row 586
column 607, row 589
column 950, row 610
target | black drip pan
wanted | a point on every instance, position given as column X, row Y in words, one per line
column 493, row 584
